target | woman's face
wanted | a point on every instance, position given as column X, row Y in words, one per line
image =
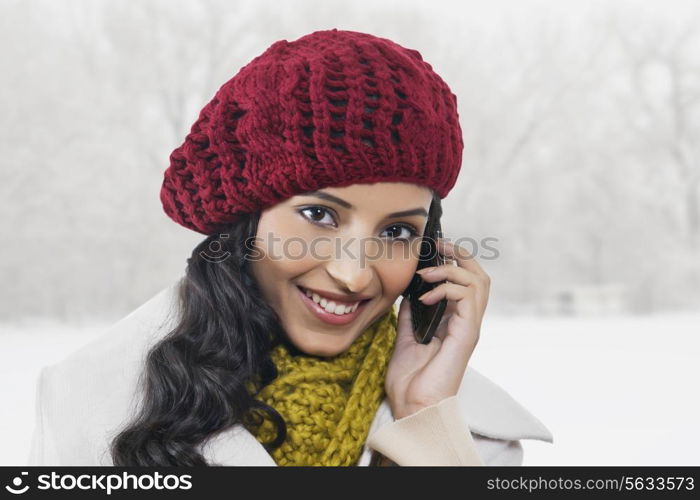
column 346, row 244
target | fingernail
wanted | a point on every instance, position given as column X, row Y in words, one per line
column 425, row 270
column 424, row 295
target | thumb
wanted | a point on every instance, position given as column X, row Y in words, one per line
column 404, row 329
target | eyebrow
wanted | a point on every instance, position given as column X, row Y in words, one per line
column 345, row 204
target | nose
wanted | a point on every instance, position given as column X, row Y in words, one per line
column 351, row 278
column 352, row 271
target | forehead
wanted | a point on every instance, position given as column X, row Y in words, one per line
column 378, row 195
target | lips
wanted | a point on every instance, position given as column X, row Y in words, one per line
column 327, row 317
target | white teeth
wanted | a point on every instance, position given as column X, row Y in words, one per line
column 331, row 306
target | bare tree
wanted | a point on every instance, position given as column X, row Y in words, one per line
column 667, row 116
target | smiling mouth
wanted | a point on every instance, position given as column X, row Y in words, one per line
column 328, row 312
column 332, row 306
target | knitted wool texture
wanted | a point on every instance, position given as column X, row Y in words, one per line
column 328, row 404
column 332, row 108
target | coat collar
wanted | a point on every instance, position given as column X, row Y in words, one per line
column 490, row 411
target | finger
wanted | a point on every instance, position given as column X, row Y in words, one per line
column 457, row 291
column 404, row 331
column 459, row 342
column 462, row 330
column 462, row 256
column 441, row 329
column 453, row 274
column 450, row 291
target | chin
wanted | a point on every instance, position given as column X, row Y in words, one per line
column 323, row 350
column 322, row 353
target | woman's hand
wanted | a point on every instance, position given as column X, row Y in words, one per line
column 420, row 375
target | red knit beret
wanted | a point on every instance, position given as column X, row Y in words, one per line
column 332, row 108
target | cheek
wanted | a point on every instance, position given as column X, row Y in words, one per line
column 397, row 273
column 283, row 255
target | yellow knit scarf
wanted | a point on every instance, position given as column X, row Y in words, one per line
column 328, row 404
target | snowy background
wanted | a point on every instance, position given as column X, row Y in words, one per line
column 581, row 124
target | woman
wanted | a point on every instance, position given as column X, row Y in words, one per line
column 313, row 173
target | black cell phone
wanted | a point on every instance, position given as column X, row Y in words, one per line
column 426, row 318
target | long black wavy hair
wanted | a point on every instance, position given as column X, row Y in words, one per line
column 197, row 379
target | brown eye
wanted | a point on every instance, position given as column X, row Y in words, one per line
column 317, row 214
column 409, row 232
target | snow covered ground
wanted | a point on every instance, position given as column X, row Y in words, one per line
column 613, row 390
